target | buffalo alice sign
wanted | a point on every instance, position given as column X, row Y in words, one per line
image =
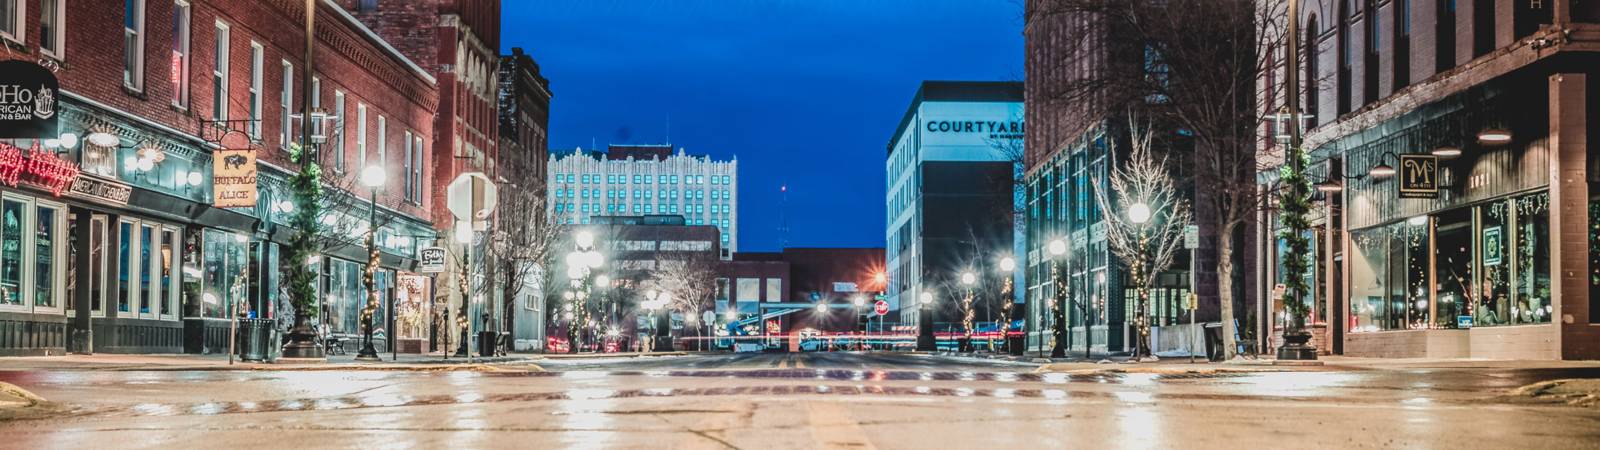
column 28, row 95
column 233, row 176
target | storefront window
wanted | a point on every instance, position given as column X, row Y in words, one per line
column 124, row 266
column 224, row 279
column 146, row 235
column 44, row 258
column 168, row 261
column 1492, row 304
column 1533, row 260
column 1388, row 277
column 11, row 212
column 1453, row 265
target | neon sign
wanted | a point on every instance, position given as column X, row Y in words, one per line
column 38, row 167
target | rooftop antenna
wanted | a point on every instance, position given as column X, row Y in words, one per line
column 669, row 129
column 783, row 217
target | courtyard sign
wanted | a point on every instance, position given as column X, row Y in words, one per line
column 28, row 95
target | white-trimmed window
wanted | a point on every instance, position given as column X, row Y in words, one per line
column 406, row 165
column 257, row 63
column 416, row 171
column 13, row 19
column 383, row 142
column 32, row 255
column 361, row 134
column 53, row 27
column 180, row 52
column 133, row 45
column 286, row 105
column 338, row 137
column 219, row 74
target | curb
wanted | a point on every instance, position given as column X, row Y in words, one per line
column 25, row 398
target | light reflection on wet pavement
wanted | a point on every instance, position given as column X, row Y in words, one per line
column 901, row 407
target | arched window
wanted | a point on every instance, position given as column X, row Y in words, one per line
column 1402, row 43
column 1309, row 49
column 1342, row 18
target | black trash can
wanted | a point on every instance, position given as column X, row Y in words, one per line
column 486, row 341
column 1016, row 344
column 1213, row 332
column 255, row 339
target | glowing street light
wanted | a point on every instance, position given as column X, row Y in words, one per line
column 1058, row 247
column 1007, row 264
column 1139, row 213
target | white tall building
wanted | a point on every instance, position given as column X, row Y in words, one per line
column 643, row 180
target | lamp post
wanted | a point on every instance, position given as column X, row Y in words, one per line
column 1139, row 213
column 654, row 300
column 926, row 341
column 1003, row 323
column 1058, row 313
column 855, row 315
column 373, row 178
column 967, row 316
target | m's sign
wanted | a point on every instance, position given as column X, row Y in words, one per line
column 1419, row 176
column 28, row 94
column 233, row 175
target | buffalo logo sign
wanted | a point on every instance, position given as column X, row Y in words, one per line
column 234, row 178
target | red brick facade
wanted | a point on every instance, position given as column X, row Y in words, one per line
column 457, row 41
column 348, row 60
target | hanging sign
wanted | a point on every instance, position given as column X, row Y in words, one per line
column 36, row 167
column 28, row 94
column 430, row 260
column 1419, row 176
column 233, row 178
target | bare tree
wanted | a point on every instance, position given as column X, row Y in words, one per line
column 1192, row 65
column 1147, row 237
column 523, row 241
column 690, row 277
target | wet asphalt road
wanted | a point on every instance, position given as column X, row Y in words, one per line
column 767, row 401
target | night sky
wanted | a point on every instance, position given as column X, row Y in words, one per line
column 804, row 93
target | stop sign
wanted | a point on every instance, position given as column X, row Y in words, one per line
column 881, row 307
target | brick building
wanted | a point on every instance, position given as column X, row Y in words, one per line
column 1491, row 102
column 134, row 257
column 524, row 97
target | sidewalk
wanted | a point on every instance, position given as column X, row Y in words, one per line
column 220, row 362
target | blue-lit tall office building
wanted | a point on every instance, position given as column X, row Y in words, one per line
column 952, row 165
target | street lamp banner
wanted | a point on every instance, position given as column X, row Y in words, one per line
column 233, row 177
column 430, row 260
column 1419, row 176
column 28, row 95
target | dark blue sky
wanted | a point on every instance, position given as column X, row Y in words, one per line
column 803, row 92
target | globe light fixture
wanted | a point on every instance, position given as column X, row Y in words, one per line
column 968, row 278
column 822, row 308
column 373, row 177
column 1058, row 247
column 602, row 281
column 927, row 298
column 195, row 178
column 584, row 239
column 1139, row 213
column 858, row 300
column 593, row 259
column 69, row 140
column 1007, row 264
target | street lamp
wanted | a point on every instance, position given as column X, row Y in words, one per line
column 856, row 302
column 373, row 178
column 967, row 314
column 1139, row 213
column 1058, row 314
column 926, row 341
column 1008, row 266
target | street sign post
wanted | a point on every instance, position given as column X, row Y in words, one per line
column 881, row 307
